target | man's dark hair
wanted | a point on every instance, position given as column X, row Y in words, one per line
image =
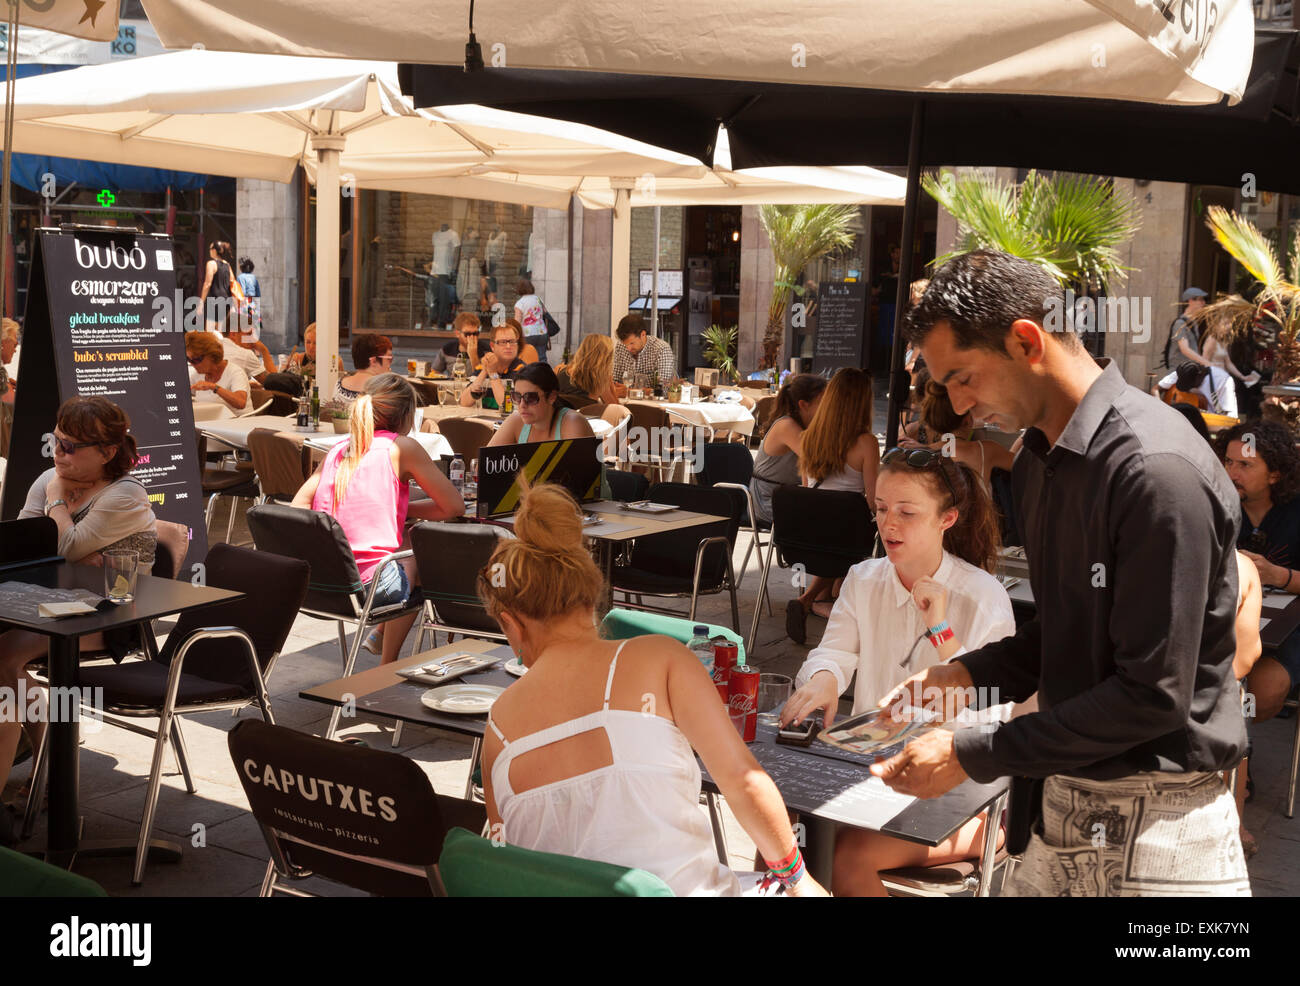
column 980, row 294
column 629, row 325
column 1274, row 443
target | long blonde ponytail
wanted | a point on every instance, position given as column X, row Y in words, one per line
column 388, row 404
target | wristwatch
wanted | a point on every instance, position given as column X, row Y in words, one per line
column 56, row 503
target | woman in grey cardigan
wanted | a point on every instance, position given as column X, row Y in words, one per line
column 98, row 507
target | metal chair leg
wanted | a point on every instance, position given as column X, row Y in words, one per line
column 397, row 733
column 151, row 799
column 349, row 661
column 762, row 589
column 230, row 524
column 475, row 761
column 178, row 750
column 268, row 881
column 1295, row 763
column 715, row 822
column 40, row 768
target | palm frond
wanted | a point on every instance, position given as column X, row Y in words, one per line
column 1246, row 244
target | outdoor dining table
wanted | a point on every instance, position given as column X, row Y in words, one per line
column 720, row 416
column 824, row 787
column 211, row 411
column 234, row 431
column 154, row 598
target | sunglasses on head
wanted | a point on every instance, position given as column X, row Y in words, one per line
column 67, row 446
column 530, row 398
column 920, row 458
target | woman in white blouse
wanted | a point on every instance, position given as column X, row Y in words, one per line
column 930, row 599
column 212, row 376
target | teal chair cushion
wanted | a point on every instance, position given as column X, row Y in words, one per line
column 26, row 876
column 620, row 624
column 471, row 866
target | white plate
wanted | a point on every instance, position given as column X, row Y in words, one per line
column 516, row 667
column 461, row 698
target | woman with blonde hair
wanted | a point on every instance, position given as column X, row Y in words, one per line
column 213, row 377
column 838, row 452
column 363, row 483
column 592, row 752
column 589, row 376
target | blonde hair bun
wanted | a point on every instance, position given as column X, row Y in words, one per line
column 549, row 519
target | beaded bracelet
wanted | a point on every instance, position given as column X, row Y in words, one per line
column 786, row 862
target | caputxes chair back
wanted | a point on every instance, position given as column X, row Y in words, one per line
column 449, row 558
column 321, row 805
column 335, row 588
column 274, row 587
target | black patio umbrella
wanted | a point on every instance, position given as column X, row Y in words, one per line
column 769, row 125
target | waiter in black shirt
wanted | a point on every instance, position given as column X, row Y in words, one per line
column 1130, row 525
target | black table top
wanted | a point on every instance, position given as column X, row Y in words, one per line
column 829, row 783
column 836, row 786
column 154, row 597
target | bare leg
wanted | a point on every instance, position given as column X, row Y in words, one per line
column 1270, row 684
column 395, row 631
column 861, row 855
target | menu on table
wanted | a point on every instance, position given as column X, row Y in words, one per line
column 104, row 318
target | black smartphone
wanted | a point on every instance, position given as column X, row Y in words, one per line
column 802, row 734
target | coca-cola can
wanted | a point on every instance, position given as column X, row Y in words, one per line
column 742, row 696
column 725, row 656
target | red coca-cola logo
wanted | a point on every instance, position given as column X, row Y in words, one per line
column 741, row 703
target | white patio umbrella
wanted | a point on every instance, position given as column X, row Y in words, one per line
column 1122, row 49
column 261, row 116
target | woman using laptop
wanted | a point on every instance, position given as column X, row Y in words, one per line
column 538, row 415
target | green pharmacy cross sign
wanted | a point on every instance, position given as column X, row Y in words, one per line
column 106, row 198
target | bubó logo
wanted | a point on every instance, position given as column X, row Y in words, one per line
column 108, row 257
column 493, row 467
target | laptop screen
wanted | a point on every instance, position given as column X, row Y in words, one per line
column 574, row 463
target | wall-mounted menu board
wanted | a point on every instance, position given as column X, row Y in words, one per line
column 104, row 319
column 841, row 310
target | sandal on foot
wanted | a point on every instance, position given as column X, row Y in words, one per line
column 374, row 642
column 796, row 621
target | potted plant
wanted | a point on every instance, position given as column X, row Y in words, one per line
column 339, row 413
column 675, row 390
column 719, row 348
column 798, row 234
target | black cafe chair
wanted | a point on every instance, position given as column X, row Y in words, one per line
column 336, row 591
column 30, row 541
column 686, row 563
column 385, row 837
column 963, row 877
column 215, row 658
column 825, row 531
column 729, row 465
column 627, row 486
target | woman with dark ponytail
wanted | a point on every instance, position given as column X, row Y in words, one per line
column 928, row 600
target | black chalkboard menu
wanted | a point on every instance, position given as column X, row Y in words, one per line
column 103, row 319
column 841, row 311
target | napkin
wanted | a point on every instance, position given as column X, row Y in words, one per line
column 56, row 610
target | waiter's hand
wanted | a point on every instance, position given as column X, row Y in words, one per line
column 926, row 768
column 944, row 688
column 822, row 692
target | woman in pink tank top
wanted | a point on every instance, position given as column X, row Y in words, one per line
column 364, row 483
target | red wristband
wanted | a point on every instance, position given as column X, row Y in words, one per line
column 942, row 637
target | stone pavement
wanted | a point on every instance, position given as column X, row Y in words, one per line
column 226, row 856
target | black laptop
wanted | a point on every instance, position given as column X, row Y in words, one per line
column 574, row 463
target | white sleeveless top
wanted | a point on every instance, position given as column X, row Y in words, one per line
column 642, row 811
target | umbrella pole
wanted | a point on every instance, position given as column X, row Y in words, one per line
column 620, row 255
column 11, row 63
column 654, row 285
column 328, row 148
column 899, row 383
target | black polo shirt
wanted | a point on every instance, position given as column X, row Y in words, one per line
column 1277, row 537
column 1130, row 524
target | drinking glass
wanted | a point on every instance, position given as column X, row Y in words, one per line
column 773, row 692
column 738, row 717
column 120, row 569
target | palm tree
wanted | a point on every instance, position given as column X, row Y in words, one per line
column 799, row 234
column 1071, row 225
column 1276, row 308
